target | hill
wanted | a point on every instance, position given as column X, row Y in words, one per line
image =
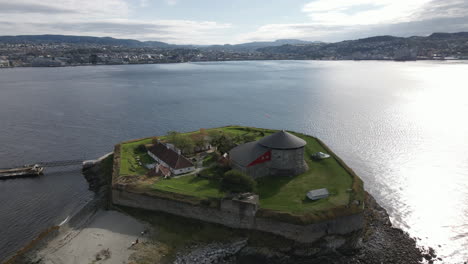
column 131, row 43
column 380, row 47
column 50, row 39
column 254, row 46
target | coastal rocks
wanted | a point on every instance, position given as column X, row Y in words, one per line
column 334, row 242
column 382, row 242
column 378, row 242
column 251, row 255
column 213, row 253
column 330, row 249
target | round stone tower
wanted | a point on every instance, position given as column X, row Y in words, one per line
column 287, row 153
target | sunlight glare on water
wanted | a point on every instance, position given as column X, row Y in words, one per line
column 432, row 173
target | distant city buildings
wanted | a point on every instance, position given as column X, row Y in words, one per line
column 434, row 47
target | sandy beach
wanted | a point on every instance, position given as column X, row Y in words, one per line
column 107, row 238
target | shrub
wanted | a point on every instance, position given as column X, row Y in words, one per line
column 214, row 172
column 210, row 159
column 140, row 149
column 236, row 181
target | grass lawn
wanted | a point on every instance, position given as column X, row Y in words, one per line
column 128, row 163
column 289, row 194
column 240, row 130
column 190, row 185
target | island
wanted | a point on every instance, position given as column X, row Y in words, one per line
column 187, row 174
column 230, row 194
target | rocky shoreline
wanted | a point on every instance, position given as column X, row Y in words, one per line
column 377, row 242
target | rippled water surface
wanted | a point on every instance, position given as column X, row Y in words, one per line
column 401, row 126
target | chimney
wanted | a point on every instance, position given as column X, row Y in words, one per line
column 155, row 140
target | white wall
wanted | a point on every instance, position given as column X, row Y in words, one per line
column 174, row 171
column 184, row 170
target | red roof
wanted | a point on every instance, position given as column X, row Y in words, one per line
column 163, row 170
column 170, row 157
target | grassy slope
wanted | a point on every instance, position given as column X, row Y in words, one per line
column 289, row 194
column 190, row 185
column 276, row 193
column 128, row 163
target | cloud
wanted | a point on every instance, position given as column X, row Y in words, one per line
column 101, row 18
column 326, row 20
column 306, row 31
column 143, row 3
column 175, row 31
column 49, row 9
column 32, row 8
column 362, row 12
column 334, row 20
column 171, row 2
column 443, row 9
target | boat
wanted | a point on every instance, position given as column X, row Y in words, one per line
column 26, row 171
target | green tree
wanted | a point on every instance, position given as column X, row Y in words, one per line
column 214, row 137
column 199, row 142
column 185, row 144
column 223, row 141
column 172, row 136
column 180, row 141
column 236, row 181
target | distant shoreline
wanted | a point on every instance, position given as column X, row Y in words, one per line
column 119, row 64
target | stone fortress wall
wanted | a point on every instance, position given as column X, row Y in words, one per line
column 241, row 214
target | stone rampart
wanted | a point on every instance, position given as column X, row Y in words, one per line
column 237, row 214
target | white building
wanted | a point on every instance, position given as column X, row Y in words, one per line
column 170, row 158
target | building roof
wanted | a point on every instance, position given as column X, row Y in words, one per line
column 246, row 153
column 163, row 170
column 282, row 140
column 169, row 156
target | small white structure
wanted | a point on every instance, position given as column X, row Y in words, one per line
column 320, row 156
column 318, row 194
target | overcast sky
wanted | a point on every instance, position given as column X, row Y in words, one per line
column 232, row 21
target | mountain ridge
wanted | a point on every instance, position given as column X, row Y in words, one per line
column 76, row 39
